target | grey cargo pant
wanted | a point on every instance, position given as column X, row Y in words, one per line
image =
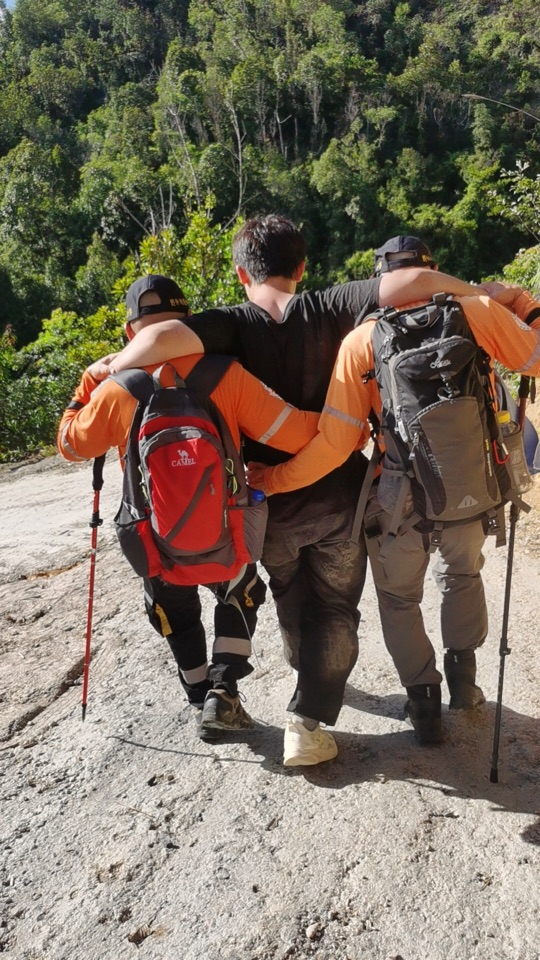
column 316, row 578
column 399, row 583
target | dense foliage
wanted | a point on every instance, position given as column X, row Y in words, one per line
column 131, row 129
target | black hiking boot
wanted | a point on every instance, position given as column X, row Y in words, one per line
column 423, row 709
column 221, row 711
column 204, row 734
column 460, row 673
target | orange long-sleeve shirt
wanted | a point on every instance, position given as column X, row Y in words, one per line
column 343, row 424
column 247, row 405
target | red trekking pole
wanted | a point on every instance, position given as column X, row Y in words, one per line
column 95, row 522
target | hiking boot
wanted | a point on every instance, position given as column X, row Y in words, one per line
column 223, row 712
column 460, row 673
column 304, row 748
column 209, row 733
column 423, row 709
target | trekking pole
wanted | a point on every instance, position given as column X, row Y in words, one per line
column 95, row 522
column 523, row 396
column 504, row 649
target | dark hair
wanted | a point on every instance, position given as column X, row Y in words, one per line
column 269, row 246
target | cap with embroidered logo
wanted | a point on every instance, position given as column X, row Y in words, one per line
column 172, row 298
column 402, row 252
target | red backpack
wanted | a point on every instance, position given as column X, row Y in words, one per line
column 185, row 515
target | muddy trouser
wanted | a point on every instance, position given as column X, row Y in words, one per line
column 175, row 612
column 316, row 579
column 399, row 583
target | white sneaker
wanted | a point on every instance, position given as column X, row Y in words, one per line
column 305, row 747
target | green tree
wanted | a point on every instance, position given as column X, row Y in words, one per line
column 37, row 381
column 518, row 197
column 199, row 260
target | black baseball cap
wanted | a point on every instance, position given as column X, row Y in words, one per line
column 171, row 296
column 402, row 252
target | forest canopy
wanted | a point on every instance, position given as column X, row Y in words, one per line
column 137, row 132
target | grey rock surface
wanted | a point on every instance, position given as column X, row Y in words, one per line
column 126, row 836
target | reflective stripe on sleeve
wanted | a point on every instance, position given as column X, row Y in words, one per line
column 345, row 417
column 65, row 445
column 275, row 426
column 533, row 359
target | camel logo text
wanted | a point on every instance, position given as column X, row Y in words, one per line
column 184, row 460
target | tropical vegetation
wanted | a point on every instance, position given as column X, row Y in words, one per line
column 136, row 134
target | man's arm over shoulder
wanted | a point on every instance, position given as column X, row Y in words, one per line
column 400, row 287
column 156, row 343
column 211, row 331
column 394, row 289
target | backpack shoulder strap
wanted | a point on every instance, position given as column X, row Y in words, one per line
column 138, row 383
column 203, row 379
column 374, row 315
column 208, row 372
column 376, row 457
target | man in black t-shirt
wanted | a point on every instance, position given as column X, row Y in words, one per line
column 290, row 341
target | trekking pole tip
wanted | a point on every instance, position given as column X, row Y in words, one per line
column 83, row 711
column 494, row 776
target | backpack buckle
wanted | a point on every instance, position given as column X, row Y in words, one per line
column 436, row 537
column 372, row 526
column 500, row 452
column 493, row 525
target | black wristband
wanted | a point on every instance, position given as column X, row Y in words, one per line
column 532, row 316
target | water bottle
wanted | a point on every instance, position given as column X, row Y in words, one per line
column 255, row 497
column 513, row 441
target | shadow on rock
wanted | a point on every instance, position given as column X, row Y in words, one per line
column 460, row 767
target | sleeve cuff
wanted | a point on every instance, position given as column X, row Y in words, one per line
column 269, row 486
column 526, row 307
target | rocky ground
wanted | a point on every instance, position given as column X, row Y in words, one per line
column 125, row 835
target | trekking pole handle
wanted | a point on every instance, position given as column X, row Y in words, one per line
column 97, row 472
column 523, row 396
column 97, row 483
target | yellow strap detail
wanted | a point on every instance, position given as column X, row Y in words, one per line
column 166, row 628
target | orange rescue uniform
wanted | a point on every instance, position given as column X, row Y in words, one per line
column 248, row 406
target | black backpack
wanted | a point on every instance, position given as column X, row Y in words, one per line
column 185, row 514
column 443, row 460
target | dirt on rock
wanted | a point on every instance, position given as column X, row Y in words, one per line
column 127, row 836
